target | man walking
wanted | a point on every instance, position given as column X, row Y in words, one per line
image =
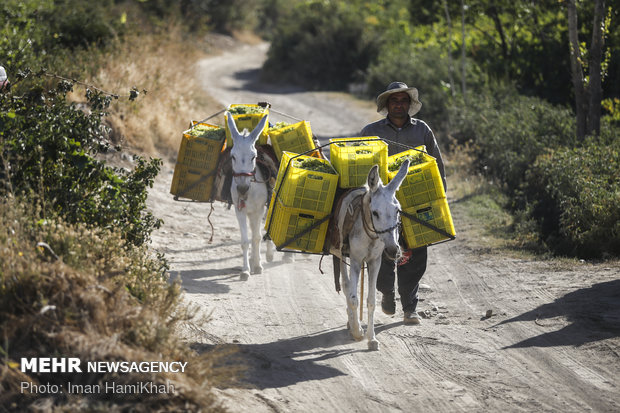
column 399, row 103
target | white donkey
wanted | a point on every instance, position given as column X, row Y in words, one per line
column 374, row 212
column 249, row 194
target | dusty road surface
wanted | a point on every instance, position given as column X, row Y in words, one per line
column 551, row 343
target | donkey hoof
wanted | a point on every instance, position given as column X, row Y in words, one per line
column 373, row 345
column 244, row 275
column 257, row 270
column 269, row 257
column 357, row 335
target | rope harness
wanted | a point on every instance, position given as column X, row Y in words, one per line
column 369, row 224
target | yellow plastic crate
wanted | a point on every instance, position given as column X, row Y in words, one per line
column 306, row 189
column 353, row 157
column 192, row 183
column 196, row 162
column 201, row 152
column 285, row 223
column 423, row 182
column 436, row 213
column 249, row 122
column 296, row 138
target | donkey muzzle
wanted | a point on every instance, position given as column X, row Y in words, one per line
column 392, row 252
column 242, row 189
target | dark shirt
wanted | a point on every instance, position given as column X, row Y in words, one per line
column 414, row 133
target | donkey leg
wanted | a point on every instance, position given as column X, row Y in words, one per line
column 245, row 243
column 255, row 224
column 349, row 286
column 269, row 250
column 373, row 272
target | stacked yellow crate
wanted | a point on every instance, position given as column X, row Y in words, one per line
column 296, row 138
column 303, row 197
column 353, row 157
column 247, row 116
column 199, row 153
column 422, row 195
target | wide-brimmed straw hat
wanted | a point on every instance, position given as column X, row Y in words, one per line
column 396, row 87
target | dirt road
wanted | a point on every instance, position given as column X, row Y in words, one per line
column 551, row 344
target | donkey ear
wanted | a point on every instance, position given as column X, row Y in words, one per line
column 232, row 127
column 400, row 176
column 373, row 178
column 258, row 129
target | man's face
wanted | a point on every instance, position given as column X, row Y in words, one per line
column 398, row 105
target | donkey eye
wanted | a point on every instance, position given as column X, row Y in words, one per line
column 233, row 157
column 375, row 213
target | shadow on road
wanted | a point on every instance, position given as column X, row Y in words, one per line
column 285, row 362
column 594, row 314
column 252, row 82
column 207, row 281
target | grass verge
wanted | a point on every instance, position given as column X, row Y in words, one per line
column 70, row 291
column 162, row 68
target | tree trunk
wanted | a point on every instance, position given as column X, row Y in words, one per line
column 493, row 12
column 463, row 62
column 450, row 67
column 596, row 55
column 577, row 70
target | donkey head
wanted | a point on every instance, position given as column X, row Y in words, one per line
column 243, row 153
column 384, row 207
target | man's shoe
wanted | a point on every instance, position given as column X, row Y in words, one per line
column 388, row 306
column 412, row 318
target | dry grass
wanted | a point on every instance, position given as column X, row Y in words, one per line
column 164, row 66
column 84, row 297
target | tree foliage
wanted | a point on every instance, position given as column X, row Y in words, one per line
column 48, row 150
column 517, row 114
column 320, row 45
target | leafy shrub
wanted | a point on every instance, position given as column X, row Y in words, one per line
column 574, row 195
column 78, row 24
column 508, row 132
column 424, row 69
column 47, row 148
column 322, row 45
column 43, row 34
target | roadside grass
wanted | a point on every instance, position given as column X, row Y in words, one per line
column 163, row 65
column 482, row 204
column 71, row 291
column 79, row 291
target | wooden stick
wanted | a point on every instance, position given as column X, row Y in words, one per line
column 362, row 293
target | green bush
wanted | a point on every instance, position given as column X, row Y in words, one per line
column 48, row 148
column 44, row 34
column 508, row 132
column 575, row 198
column 321, row 45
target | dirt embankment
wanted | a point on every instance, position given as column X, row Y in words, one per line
column 551, row 342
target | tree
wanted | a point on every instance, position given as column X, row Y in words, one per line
column 588, row 91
